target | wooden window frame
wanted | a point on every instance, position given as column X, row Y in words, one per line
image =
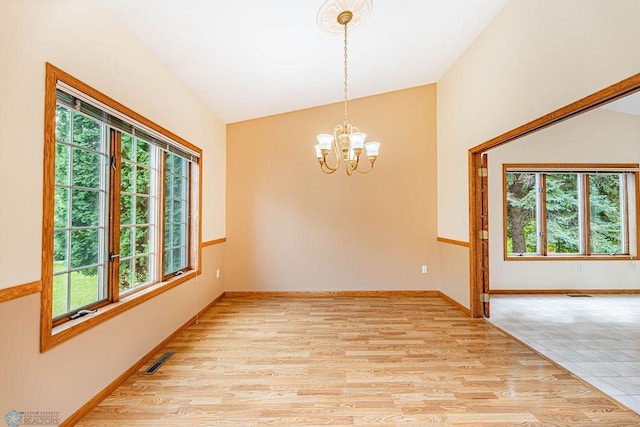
column 52, row 334
column 583, row 171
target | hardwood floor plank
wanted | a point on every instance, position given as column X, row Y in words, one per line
column 258, row 360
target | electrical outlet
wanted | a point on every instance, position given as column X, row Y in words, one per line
column 579, row 268
column 218, row 273
column 424, row 269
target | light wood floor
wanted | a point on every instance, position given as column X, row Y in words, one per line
column 270, row 360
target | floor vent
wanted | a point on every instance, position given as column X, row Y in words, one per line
column 156, row 365
column 579, row 296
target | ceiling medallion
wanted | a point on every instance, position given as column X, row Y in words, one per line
column 360, row 10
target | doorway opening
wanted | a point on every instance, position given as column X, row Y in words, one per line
column 480, row 288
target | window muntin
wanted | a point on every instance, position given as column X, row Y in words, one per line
column 80, row 213
column 176, row 205
column 575, row 212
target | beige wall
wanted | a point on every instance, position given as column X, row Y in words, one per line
column 598, row 136
column 292, row 228
column 455, row 270
column 83, row 39
column 536, row 56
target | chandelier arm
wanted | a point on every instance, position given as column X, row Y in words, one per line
column 348, row 169
column 324, row 165
column 365, row 171
column 356, row 163
column 327, row 170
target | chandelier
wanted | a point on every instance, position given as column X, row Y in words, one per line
column 347, row 142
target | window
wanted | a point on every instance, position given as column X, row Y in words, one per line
column 119, row 206
column 568, row 211
column 80, row 213
column 138, row 219
column 176, row 221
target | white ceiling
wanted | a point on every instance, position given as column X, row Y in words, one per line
column 630, row 104
column 253, row 58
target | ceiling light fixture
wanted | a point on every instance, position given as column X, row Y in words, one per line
column 347, row 141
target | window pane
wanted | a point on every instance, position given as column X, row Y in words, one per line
column 127, row 147
column 60, row 294
column 143, row 273
column 178, row 207
column 563, row 223
column 86, row 132
column 167, row 261
column 62, row 124
column 143, row 153
column 168, row 212
column 177, row 164
column 60, row 250
column 126, row 274
column 142, row 240
column 521, row 213
column 62, row 164
column 143, row 175
column 177, row 234
column 85, row 288
column 168, row 181
column 85, row 208
column 126, row 209
column 86, row 169
column 605, row 214
column 60, row 207
column 177, row 260
column 183, row 256
column 126, row 236
column 84, row 247
column 178, row 184
column 126, row 177
column 167, row 236
column 143, row 211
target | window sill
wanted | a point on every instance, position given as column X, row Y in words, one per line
column 61, row 333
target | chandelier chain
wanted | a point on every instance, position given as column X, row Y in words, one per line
column 345, row 73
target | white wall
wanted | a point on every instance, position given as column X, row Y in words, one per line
column 83, row 39
column 536, row 56
column 599, row 136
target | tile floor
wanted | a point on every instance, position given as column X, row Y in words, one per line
column 597, row 338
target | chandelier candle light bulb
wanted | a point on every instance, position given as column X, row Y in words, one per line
column 347, row 141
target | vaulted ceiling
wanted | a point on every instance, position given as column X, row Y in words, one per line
column 253, row 58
